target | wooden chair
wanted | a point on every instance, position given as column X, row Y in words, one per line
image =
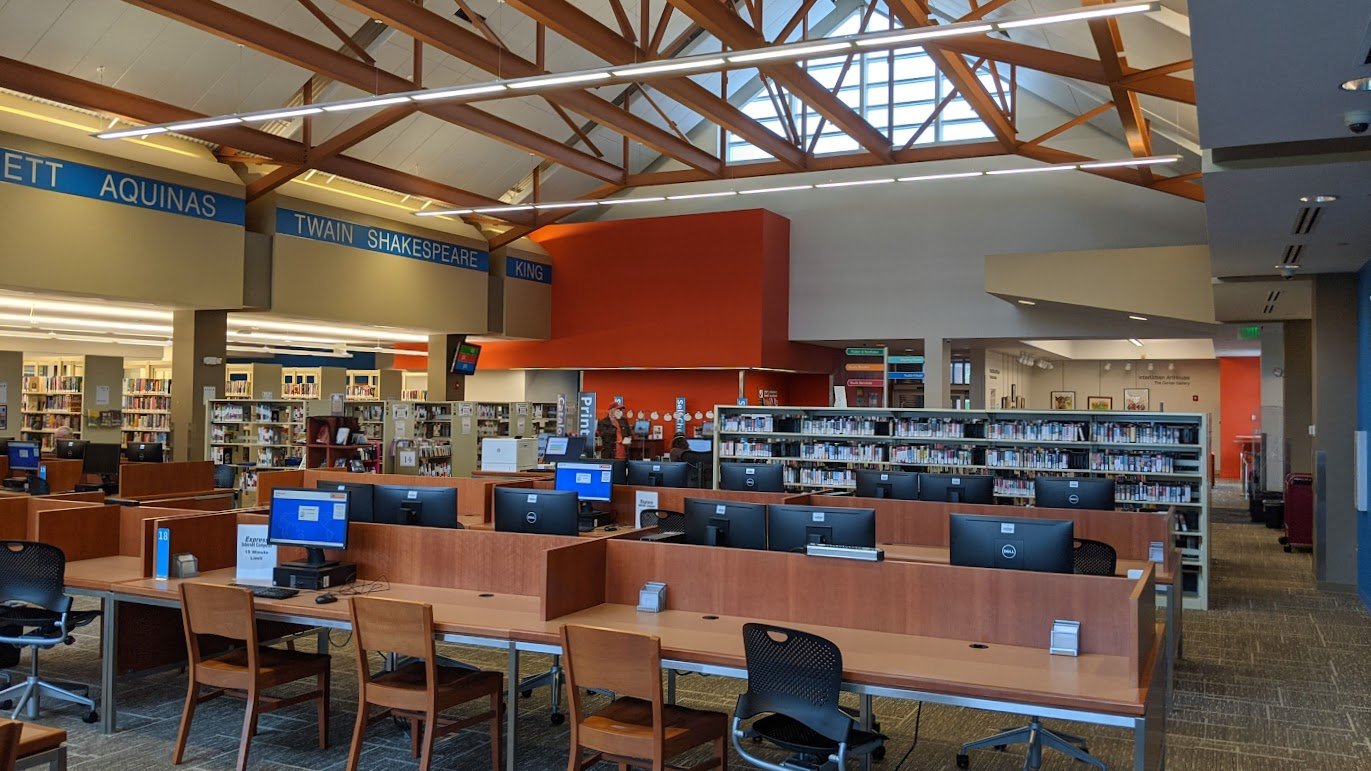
column 9, row 743
column 420, row 689
column 39, row 747
column 246, row 671
column 638, row 728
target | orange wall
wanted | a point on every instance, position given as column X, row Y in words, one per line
column 1239, row 400
column 706, row 290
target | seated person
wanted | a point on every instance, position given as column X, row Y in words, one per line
column 679, row 447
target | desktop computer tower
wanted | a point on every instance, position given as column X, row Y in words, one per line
column 294, row 576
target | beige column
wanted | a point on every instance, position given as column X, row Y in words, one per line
column 196, row 336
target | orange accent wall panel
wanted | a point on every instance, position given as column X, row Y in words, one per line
column 701, row 290
column 1239, row 399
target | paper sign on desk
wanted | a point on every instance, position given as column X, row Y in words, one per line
column 256, row 557
column 101, row 395
column 162, row 559
column 642, row 501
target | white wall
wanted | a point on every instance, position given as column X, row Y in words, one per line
column 497, row 385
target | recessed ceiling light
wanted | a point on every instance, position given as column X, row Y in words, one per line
column 1137, row 318
column 1027, row 302
column 1357, row 84
column 1286, row 266
column 1318, row 198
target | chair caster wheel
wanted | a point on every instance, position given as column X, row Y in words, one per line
column 1001, row 747
column 878, row 753
column 557, row 718
column 6, row 705
column 525, row 694
column 963, row 761
column 1288, row 549
column 92, row 717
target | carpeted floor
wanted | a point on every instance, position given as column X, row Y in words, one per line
column 1277, row 677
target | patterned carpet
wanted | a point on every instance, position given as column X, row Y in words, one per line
column 1277, row 676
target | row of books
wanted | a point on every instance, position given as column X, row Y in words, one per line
column 51, row 422
column 1156, row 463
column 842, row 451
column 53, row 383
column 147, row 403
column 932, row 455
column 1143, row 433
column 1136, row 492
column 362, row 391
column 1034, row 458
column 750, row 423
column 843, row 426
column 60, row 403
column 1042, row 430
column 147, row 385
column 928, row 428
column 141, row 421
column 748, row 449
column 808, row 475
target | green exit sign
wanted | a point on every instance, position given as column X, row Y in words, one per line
column 865, row 351
column 1249, row 332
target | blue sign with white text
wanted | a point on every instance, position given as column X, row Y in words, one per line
column 905, row 375
column 316, row 227
column 59, row 176
column 528, row 270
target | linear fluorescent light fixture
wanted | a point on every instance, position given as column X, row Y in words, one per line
column 453, row 93
column 282, row 114
column 498, row 209
column 384, row 101
column 788, row 52
column 1156, row 160
column 614, row 201
column 1085, row 14
column 560, row 80
column 785, row 189
column 924, row 33
column 691, row 196
column 1035, row 169
column 133, row 132
column 1136, row 317
column 563, row 205
column 931, row 177
column 207, row 123
column 856, row 183
column 669, row 66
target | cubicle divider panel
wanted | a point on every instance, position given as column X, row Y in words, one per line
column 574, row 577
column 143, row 479
column 992, row 606
column 93, row 496
column 673, row 498
column 473, row 495
column 1143, row 622
column 62, row 474
column 81, row 533
column 14, row 518
column 210, row 536
column 270, row 480
column 44, row 503
column 205, row 500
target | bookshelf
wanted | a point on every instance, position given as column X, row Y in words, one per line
column 253, row 381
column 147, row 404
column 373, row 384
column 542, row 418
column 369, row 414
column 324, row 450
column 312, row 382
column 52, row 397
column 256, row 433
column 413, row 386
column 1159, row 461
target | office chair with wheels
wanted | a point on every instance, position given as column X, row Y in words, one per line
column 1091, row 558
column 794, row 678
column 38, row 486
column 34, row 613
column 666, row 520
column 1094, row 558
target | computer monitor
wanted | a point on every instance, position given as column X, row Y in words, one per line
column 70, row 449
column 707, row 428
column 642, row 427
column 314, row 519
column 1016, row 543
column 899, row 485
column 547, row 512
column 725, row 523
column 145, row 452
column 360, row 503
column 656, row 473
column 564, row 448
column 24, row 456
column 700, row 444
column 589, row 481
column 1073, row 493
column 102, row 459
column 957, row 488
column 752, row 477
column 792, row 528
column 422, row 506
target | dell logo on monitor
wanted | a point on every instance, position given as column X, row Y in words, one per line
column 1073, row 499
column 750, row 482
column 1008, row 551
column 531, row 517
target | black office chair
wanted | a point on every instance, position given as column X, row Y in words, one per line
column 793, row 678
column 224, row 476
column 38, row 486
column 34, row 613
column 665, row 520
column 1090, row 558
column 1094, row 558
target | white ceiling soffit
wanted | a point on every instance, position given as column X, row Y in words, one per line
column 1267, row 300
column 1201, row 348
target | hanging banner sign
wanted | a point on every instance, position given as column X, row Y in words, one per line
column 316, row 227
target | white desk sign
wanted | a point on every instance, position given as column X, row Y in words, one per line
column 642, row 501
column 256, row 558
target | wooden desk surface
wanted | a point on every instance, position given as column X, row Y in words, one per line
column 100, row 573
column 904, row 552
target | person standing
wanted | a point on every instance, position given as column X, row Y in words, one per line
column 615, row 433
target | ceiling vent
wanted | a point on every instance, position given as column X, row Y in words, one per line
column 1292, row 255
column 1306, row 220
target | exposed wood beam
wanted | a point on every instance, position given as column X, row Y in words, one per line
column 230, row 24
column 735, row 33
column 984, row 10
column 338, row 31
column 65, row 89
column 955, row 69
column 621, row 16
column 514, row 234
column 329, row 149
column 1109, row 44
column 796, row 20
column 588, row 33
column 451, row 38
column 655, row 45
column 1139, row 76
column 1086, row 117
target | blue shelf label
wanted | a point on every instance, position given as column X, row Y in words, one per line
column 316, row 227
column 528, row 270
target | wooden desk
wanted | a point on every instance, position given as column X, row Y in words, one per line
column 99, row 574
column 941, row 555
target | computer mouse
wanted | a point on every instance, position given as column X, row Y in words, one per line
column 611, row 529
column 325, row 599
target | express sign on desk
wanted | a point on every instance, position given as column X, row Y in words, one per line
column 61, row 176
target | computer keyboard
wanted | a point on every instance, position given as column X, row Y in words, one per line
column 271, row 592
column 864, row 553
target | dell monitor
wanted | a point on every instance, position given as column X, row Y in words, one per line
column 314, row 519
column 792, row 528
column 590, row 481
column 546, row 512
column 360, row 504
column 752, row 477
column 725, row 523
column 421, row 506
column 1015, row 543
column 102, row 459
column 564, row 448
column 655, row 473
column 70, row 449
column 1073, row 493
column 899, row 485
column 23, row 456
column 145, row 452
column 957, row 488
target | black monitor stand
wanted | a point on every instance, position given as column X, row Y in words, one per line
column 314, row 560
column 411, row 510
column 588, row 518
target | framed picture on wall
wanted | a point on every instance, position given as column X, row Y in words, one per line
column 1100, row 402
column 1135, row 399
column 1063, row 400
